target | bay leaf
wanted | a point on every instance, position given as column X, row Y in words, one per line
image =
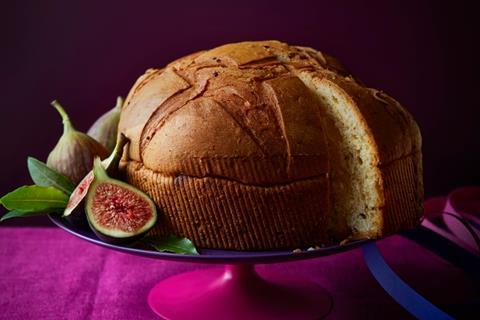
column 35, row 198
column 47, row 177
column 21, row 214
column 171, row 243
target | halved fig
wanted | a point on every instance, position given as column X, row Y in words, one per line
column 110, row 164
column 116, row 211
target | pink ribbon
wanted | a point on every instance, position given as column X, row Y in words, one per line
column 456, row 217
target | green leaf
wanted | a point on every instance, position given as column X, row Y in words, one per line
column 171, row 243
column 44, row 176
column 35, row 198
column 20, row 214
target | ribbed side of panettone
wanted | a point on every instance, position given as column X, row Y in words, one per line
column 222, row 213
column 403, row 189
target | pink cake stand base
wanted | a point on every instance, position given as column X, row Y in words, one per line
column 235, row 292
column 238, row 292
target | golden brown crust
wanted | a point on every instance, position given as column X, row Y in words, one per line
column 226, row 108
column 151, row 90
column 392, row 130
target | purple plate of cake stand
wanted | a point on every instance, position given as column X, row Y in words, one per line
column 235, row 291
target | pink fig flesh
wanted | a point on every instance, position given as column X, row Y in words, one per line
column 117, row 208
column 78, row 194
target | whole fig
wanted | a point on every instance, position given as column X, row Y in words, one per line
column 104, row 130
column 75, row 151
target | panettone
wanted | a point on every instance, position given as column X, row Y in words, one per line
column 262, row 145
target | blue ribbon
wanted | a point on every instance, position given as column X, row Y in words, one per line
column 404, row 295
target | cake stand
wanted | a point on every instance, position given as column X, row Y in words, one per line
column 235, row 291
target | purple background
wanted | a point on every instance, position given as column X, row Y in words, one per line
column 85, row 53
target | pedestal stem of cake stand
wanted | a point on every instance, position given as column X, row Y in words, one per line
column 240, row 272
column 239, row 292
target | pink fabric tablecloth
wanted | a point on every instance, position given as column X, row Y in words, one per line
column 46, row 273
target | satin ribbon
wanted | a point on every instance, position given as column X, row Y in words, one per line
column 456, row 218
column 401, row 292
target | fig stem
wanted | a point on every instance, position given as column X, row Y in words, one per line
column 98, row 170
column 67, row 124
column 119, row 103
column 118, row 150
column 121, row 142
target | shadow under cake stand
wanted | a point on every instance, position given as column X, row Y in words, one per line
column 235, row 291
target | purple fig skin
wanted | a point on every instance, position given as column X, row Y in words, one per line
column 75, row 151
column 105, row 129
